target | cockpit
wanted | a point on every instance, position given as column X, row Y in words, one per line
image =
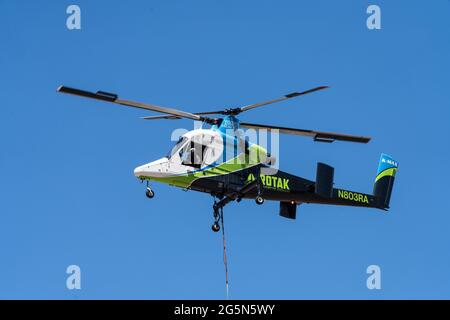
column 197, row 150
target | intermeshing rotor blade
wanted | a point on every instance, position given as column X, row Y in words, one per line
column 161, row 117
column 111, row 97
column 235, row 111
column 176, row 117
column 286, row 97
column 316, row 135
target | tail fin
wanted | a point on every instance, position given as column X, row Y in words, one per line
column 384, row 181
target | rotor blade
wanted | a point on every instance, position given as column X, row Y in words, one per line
column 161, row 117
column 286, row 97
column 176, row 117
column 316, row 135
column 111, row 97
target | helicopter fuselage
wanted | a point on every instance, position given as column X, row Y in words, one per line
column 210, row 161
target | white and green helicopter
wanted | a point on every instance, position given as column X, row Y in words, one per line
column 221, row 162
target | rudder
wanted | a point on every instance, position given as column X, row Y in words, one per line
column 384, row 180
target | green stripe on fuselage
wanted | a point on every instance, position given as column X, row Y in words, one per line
column 240, row 162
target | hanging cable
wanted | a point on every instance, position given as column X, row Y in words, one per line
column 225, row 260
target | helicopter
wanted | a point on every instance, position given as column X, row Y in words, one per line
column 221, row 162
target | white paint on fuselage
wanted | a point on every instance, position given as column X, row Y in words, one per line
column 173, row 165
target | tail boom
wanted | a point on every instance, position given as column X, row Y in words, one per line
column 380, row 198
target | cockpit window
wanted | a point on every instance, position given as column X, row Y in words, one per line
column 176, row 147
column 192, row 154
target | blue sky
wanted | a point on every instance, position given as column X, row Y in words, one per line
column 68, row 194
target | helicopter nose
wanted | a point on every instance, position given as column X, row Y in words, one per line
column 139, row 171
column 152, row 169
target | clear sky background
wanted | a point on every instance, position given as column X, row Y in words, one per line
column 68, row 194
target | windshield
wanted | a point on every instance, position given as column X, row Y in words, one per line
column 177, row 146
